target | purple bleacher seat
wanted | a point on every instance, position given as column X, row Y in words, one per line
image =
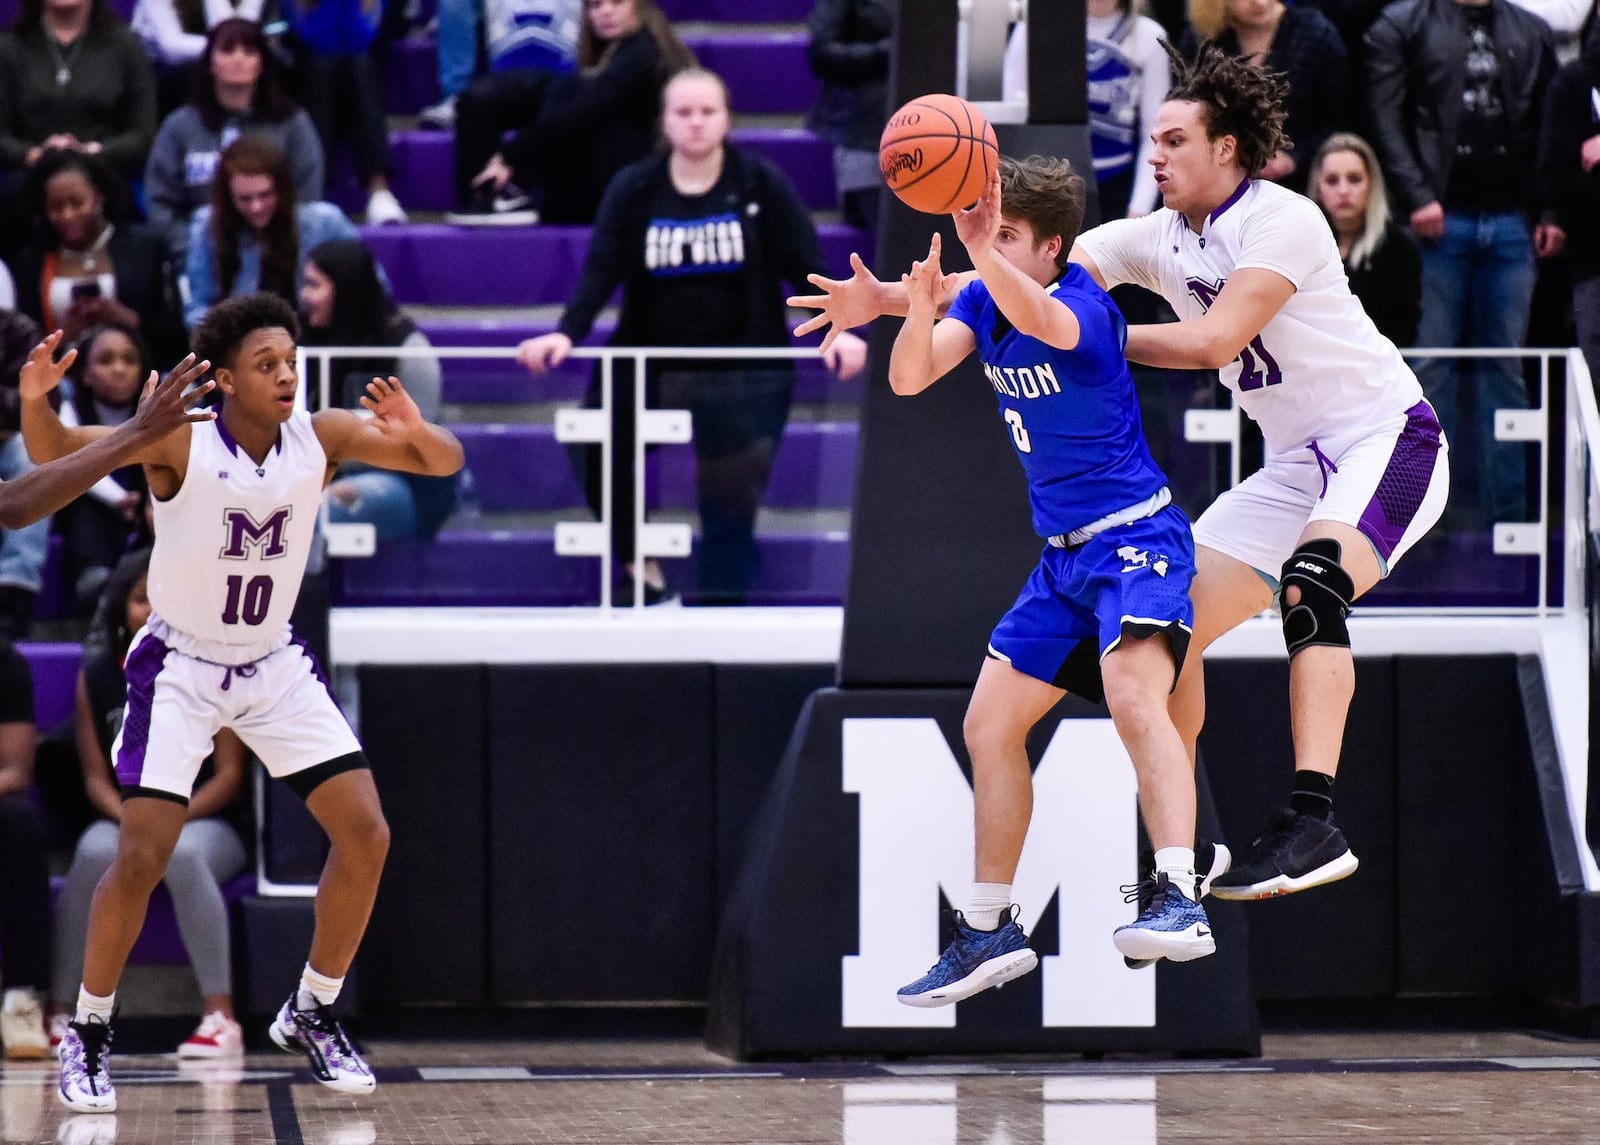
column 159, row 942
column 468, row 568
column 739, row 11
column 423, row 165
column 435, row 264
column 55, row 681
column 765, row 71
column 523, row 467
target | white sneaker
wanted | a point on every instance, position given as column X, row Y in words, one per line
column 440, row 116
column 22, row 1026
column 86, row 1068
column 218, row 1036
column 383, row 208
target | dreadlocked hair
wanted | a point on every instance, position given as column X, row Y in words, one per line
column 1237, row 98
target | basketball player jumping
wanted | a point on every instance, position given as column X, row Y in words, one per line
column 236, row 501
column 1356, row 467
column 1107, row 612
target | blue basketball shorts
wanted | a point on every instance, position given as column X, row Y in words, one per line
column 1131, row 580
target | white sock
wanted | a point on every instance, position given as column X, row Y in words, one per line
column 1178, row 863
column 988, row 903
column 94, row 1006
column 316, row 989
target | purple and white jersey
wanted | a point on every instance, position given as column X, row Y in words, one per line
column 1320, row 369
column 232, row 544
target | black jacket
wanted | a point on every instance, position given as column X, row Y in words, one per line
column 849, row 53
column 144, row 284
column 1571, row 115
column 1389, row 285
column 1415, row 50
column 780, row 246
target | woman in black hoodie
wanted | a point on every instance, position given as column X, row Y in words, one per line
column 701, row 239
column 1569, row 176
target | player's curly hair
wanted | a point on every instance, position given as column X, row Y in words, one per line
column 229, row 322
column 1047, row 194
column 1237, row 98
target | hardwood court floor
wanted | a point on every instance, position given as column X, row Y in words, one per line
column 1449, row 1088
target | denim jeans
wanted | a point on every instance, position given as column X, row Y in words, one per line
column 22, row 551
column 1477, row 287
column 458, row 44
column 383, row 500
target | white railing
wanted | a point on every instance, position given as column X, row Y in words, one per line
column 1219, row 426
column 573, row 426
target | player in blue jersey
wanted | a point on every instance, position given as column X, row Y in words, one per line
column 1107, row 613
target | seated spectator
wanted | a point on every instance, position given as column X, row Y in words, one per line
column 25, row 859
column 1569, row 178
column 105, row 382
column 209, row 851
column 1458, row 136
column 343, row 303
column 572, row 133
column 255, row 233
column 22, row 551
column 238, row 90
column 718, row 281
column 1301, row 43
column 86, row 264
column 174, row 33
column 849, row 53
column 1129, row 77
column 538, row 35
column 72, row 76
column 1381, row 261
column 339, row 86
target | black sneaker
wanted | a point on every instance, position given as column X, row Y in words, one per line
column 1295, row 853
column 507, row 207
column 1211, row 862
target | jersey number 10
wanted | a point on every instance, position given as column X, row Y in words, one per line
column 255, row 597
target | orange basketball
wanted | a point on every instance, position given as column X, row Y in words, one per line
column 937, row 154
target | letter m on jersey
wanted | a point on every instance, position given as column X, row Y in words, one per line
column 916, row 841
column 244, row 533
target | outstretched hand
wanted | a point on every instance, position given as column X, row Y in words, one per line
column 41, row 373
column 166, row 405
column 843, row 304
column 927, row 286
column 979, row 225
column 393, row 411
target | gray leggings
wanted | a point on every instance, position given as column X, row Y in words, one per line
column 208, row 854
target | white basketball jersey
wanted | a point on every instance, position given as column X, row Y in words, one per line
column 232, row 544
column 1319, row 369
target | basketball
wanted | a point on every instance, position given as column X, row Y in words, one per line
column 937, row 153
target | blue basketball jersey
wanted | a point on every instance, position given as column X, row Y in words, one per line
column 1073, row 415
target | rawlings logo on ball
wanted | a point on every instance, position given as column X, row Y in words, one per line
column 897, row 163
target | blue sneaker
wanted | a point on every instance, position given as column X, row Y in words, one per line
column 1212, row 858
column 1170, row 924
column 974, row 961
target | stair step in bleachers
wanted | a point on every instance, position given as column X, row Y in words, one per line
column 766, row 72
column 523, row 468
column 423, row 166
column 436, row 264
column 466, row 568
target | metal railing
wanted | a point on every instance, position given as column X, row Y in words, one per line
column 1221, row 427
column 574, row 426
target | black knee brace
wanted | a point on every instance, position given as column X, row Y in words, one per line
column 1325, row 594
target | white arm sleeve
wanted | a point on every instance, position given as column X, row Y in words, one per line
column 1124, row 250
column 1291, row 239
